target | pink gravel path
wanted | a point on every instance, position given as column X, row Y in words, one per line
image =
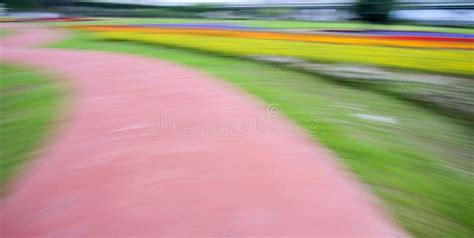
column 138, row 157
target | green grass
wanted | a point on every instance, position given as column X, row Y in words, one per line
column 28, row 103
column 420, row 166
column 271, row 24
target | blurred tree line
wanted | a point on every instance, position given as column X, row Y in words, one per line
column 377, row 11
column 35, row 3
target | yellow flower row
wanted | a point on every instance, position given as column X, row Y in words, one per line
column 437, row 60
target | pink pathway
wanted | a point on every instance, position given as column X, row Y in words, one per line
column 139, row 156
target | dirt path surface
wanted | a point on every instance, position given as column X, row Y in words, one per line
column 154, row 149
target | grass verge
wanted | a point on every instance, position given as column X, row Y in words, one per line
column 28, row 105
column 419, row 164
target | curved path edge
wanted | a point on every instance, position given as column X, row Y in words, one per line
column 141, row 157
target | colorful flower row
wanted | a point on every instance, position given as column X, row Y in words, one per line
column 404, row 33
column 446, row 61
column 437, row 42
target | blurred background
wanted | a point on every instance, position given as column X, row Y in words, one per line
column 388, row 81
column 439, row 12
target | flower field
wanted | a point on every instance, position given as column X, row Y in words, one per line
column 427, row 51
